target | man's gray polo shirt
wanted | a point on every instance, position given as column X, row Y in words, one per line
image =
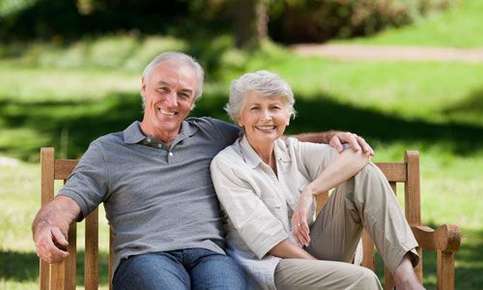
column 156, row 199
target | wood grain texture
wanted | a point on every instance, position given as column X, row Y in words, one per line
column 445, row 270
column 111, row 258
column 71, row 261
column 57, row 276
column 63, row 168
column 91, row 260
column 412, row 200
column 368, row 259
column 47, row 194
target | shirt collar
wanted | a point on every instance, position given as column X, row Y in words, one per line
column 133, row 133
column 251, row 157
column 187, row 129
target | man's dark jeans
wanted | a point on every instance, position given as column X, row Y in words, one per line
column 179, row 270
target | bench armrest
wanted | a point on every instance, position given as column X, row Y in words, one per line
column 445, row 238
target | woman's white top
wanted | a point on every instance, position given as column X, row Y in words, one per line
column 259, row 204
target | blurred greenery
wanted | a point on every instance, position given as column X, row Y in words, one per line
column 65, row 92
column 459, row 27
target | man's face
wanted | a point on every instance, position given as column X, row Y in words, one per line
column 169, row 95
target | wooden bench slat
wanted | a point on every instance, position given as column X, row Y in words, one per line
column 368, row 259
column 47, row 194
column 71, row 261
column 111, row 258
column 91, row 261
column 57, row 276
column 63, row 168
column 394, row 171
column 412, row 200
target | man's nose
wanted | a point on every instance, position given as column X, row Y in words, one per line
column 171, row 100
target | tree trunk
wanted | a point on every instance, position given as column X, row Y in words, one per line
column 251, row 23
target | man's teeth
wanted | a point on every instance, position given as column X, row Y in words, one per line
column 166, row 112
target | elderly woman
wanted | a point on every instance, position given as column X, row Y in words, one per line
column 266, row 184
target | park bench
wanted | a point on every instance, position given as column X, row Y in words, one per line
column 445, row 240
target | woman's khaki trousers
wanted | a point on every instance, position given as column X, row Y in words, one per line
column 365, row 201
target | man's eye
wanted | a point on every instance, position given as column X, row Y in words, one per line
column 184, row 96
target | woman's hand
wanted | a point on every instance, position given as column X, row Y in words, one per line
column 300, row 227
column 357, row 143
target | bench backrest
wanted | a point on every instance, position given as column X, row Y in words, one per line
column 63, row 275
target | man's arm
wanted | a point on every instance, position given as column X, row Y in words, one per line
column 319, row 137
column 336, row 139
column 50, row 228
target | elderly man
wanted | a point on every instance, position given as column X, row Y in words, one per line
column 154, row 180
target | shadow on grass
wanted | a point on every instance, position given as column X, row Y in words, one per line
column 322, row 113
column 468, row 263
column 470, row 107
column 24, row 266
column 71, row 125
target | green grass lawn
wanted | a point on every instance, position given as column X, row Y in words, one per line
column 460, row 27
column 435, row 108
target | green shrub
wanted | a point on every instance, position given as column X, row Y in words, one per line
column 311, row 20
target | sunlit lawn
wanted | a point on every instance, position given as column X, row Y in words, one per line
column 435, row 108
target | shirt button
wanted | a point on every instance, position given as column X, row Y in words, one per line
column 170, row 153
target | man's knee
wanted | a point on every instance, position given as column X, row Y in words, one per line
column 218, row 272
column 151, row 272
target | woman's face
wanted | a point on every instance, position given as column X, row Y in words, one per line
column 263, row 118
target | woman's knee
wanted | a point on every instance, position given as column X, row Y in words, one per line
column 367, row 280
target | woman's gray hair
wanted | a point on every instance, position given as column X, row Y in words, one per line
column 182, row 59
column 265, row 83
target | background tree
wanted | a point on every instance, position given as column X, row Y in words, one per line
column 251, row 21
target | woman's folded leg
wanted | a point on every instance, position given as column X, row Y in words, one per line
column 302, row 274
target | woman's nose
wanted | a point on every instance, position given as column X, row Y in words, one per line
column 266, row 115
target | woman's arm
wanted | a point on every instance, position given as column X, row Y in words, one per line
column 346, row 165
column 286, row 249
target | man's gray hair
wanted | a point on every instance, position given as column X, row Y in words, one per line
column 181, row 58
column 265, row 83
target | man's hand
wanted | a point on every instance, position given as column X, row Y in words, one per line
column 51, row 244
column 354, row 141
column 300, row 227
column 50, row 227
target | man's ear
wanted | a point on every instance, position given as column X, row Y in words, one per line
column 143, row 86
